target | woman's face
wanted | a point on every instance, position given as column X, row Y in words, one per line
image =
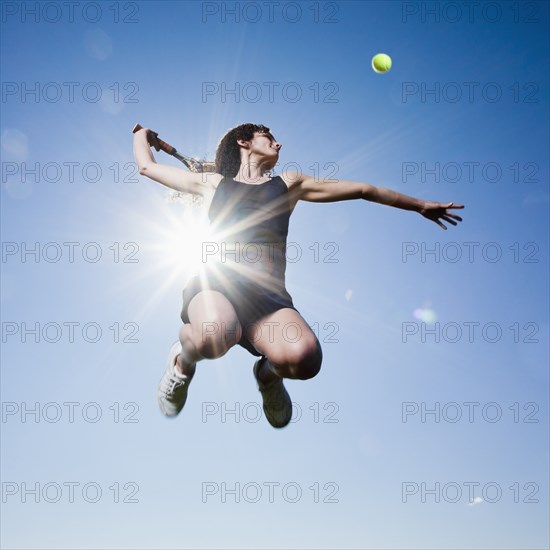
column 264, row 145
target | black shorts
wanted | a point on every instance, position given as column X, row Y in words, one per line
column 250, row 301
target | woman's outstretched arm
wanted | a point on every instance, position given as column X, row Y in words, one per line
column 308, row 188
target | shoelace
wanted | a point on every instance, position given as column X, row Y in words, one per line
column 173, row 384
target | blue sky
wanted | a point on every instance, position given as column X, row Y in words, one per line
column 462, row 116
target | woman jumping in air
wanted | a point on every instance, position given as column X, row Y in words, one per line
column 240, row 297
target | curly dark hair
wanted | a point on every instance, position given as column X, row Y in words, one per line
column 228, row 156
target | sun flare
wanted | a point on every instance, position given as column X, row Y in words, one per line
column 184, row 233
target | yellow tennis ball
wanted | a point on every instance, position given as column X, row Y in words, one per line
column 381, row 63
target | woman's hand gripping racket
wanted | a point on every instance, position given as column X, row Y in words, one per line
column 194, row 165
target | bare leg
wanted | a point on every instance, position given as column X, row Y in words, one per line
column 186, row 361
column 291, row 348
column 213, row 329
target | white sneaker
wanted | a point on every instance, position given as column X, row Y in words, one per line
column 276, row 401
column 172, row 390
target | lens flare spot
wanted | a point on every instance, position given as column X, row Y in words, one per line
column 98, row 44
column 15, row 144
column 425, row 315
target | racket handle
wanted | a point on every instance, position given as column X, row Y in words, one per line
column 155, row 141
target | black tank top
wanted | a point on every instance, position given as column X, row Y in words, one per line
column 252, row 220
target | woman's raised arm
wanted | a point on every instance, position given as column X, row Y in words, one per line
column 175, row 178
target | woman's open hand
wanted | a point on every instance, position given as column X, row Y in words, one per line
column 436, row 210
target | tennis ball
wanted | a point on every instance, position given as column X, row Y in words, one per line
column 381, row 63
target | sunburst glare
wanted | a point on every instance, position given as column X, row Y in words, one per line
column 179, row 237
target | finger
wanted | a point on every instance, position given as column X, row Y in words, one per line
column 453, row 205
column 450, row 214
column 440, row 224
column 447, row 219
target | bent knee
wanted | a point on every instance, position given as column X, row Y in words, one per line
column 214, row 338
column 309, row 367
column 304, row 359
